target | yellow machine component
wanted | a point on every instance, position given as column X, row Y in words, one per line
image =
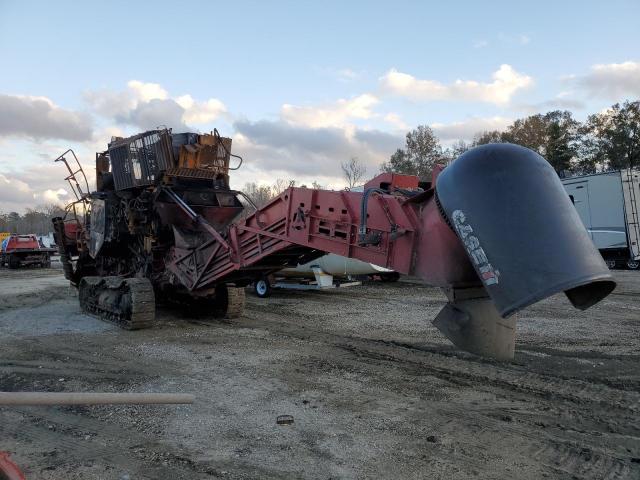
column 210, row 153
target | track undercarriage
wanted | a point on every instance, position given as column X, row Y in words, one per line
column 130, row 302
column 127, row 302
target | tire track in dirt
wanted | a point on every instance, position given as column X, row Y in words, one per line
column 107, row 444
column 559, row 454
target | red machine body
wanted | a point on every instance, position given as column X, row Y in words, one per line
column 393, row 181
column 328, row 222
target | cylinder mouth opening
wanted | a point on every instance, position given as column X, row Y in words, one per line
column 582, row 293
column 587, row 295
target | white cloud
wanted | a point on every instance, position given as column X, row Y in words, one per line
column 466, row 129
column 562, row 101
column 40, row 118
column 614, row 81
column 17, row 192
column 30, row 177
column 309, row 142
column 480, row 44
column 395, row 120
column 519, row 39
column 59, row 196
column 13, row 189
column 303, row 152
column 344, row 75
column 149, row 105
column 333, row 114
column 199, row 113
column 506, row 83
column 347, row 75
column 146, row 92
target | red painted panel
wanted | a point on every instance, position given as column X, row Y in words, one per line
column 389, row 181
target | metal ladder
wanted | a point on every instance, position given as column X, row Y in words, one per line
column 75, row 178
column 71, row 178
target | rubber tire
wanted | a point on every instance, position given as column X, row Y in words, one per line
column 611, row 264
column 14, row 262
column 262, row 288
column 390, row 277
column 633, row 264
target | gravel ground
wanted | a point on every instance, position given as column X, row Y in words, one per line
column 374, row 389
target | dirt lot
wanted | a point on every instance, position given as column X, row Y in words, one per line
column 375, row 391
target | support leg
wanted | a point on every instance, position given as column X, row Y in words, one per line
column 471, row 321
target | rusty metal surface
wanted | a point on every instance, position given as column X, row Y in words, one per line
column 187, row 172
column 76, row 178
column 305, row 221
column 138, row 160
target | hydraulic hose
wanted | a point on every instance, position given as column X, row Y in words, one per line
column 362, row 230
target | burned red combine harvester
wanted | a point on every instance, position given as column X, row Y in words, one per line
column 495, row 230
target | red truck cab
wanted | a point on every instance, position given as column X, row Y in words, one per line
column 23, row 250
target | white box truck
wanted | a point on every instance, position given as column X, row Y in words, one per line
column 609, row 205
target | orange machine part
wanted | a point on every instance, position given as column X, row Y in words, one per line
column 208, row 154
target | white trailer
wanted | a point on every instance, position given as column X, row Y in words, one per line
column 609, row 206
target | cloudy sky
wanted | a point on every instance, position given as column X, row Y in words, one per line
column 300, row 86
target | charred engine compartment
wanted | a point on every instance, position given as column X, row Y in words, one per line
column 145, row 182
column 126, row 228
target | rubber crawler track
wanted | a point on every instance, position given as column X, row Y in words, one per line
column 141, row 299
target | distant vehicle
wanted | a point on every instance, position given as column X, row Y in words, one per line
column 22, row 250
column 609, row 206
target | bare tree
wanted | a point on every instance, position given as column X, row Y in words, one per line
column 281, row 185
column 354, row 171
column 259, row 194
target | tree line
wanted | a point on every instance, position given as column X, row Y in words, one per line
column 353, row 171
column 35, row 220
column 259, row 194
column 609, row 140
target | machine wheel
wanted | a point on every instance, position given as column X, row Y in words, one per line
column 229, row 301
column 129, row 302
column 611, row 264
column 262, row 287
column 390, row 277
column 14, row 262
column 633, row 264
